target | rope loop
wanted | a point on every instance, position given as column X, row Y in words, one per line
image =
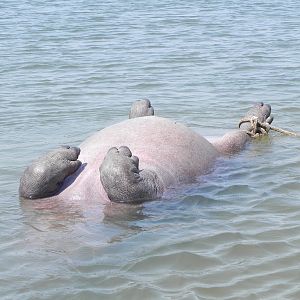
column 262, row 128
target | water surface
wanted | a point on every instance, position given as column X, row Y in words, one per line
column 70, row 68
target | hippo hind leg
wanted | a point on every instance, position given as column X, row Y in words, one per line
column 44, row 177
column 141, row 108
column 124, row 182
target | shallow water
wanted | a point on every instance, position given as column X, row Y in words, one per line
column 70, row 68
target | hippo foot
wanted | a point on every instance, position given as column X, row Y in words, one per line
column 141, row 108
column 44, row 177
column 260, row 111
column 124, row 182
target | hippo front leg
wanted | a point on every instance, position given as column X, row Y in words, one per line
column 235, row 141
column 124, row 182
column 44, row 177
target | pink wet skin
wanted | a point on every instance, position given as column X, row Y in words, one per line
column 176, row 153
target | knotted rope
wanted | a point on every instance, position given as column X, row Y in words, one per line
column 258, row 128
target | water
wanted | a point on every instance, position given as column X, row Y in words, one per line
column 70, row 68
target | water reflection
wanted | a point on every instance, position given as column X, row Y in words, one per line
column 55, row 216
column 122, row 214
column 49, row 214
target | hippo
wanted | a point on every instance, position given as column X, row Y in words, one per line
column 133, row 161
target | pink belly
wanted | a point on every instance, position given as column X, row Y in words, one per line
column 173, row 151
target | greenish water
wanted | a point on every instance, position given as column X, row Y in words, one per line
column 70, row 68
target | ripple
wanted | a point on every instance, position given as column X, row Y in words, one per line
column 69, row 70
column 178, row 261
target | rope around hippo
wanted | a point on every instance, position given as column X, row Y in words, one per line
column 258, row 128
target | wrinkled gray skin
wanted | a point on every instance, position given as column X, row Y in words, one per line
column 141, row 108
column 121, row 179
column 44, row 177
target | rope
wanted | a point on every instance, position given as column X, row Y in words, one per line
column 258, row 128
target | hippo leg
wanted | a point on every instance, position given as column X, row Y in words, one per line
column 44, row 177
column 141, row 108
column 233, row 142
column 124, row 182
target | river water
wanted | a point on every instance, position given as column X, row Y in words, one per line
column 69, row 68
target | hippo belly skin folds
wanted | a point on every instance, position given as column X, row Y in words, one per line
column 132, row 161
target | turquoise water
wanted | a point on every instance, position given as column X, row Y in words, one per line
column 69, row 68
